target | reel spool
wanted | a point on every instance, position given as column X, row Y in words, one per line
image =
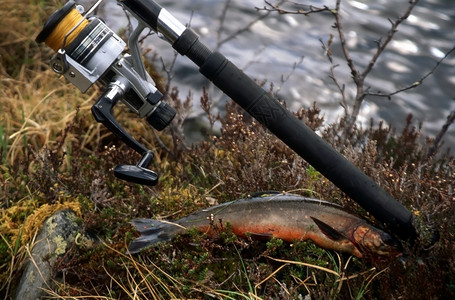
column 64, row 23
column 85, row 48
column 87, row 51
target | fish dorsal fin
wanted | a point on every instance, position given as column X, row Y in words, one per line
column 265, row 194
column 328, row 230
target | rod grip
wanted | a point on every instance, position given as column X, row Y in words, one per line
column 188, row 44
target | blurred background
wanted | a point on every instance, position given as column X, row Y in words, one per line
column 271, row 48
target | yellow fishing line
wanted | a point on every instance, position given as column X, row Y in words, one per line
column 55, row 39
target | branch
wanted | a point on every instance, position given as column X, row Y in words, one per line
column 344, row 47
column 222, row 20
column 359, row 78
column 390, row 34
column 169, row 72
column 285, row 78
column 433, row 149
column 247, row 27
column 341, row 87
column 276, row 8
column 415, row 83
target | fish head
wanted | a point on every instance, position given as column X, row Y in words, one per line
column 375, row 241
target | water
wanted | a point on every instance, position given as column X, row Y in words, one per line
column 271, row 47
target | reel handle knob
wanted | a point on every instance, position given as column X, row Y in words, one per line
column 138, row 173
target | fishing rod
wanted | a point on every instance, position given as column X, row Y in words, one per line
column 88, row 51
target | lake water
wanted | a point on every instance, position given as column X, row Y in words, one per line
column 271, row 47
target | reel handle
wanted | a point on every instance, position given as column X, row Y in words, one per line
column 102, row 111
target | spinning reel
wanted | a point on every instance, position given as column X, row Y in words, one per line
column 88, row 51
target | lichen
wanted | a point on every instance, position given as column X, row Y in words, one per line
column 83, row 241
column 60, row 244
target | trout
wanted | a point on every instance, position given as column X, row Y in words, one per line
column 284, row 216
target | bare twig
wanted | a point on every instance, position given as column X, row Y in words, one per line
column 390, row 34
column 341, row 87
column 309, row 9
column 239, row 31
column 222, row 19
column 344, row 47
column 415, row 83
column 433, row 149
column 286, row 77
column 359, row 77
column 169, row 72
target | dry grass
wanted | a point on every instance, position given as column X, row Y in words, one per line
column 36, row 105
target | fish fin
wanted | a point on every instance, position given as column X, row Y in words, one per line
column 143, row 225
column 261, row 236
column 264, row 194
column 329, row 230
column 152, row 232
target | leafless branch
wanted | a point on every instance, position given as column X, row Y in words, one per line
column 433, row 149
column 390, row 34
column 309, row 9
column 169, row 72
column 286, row 77
column 415, row 83
column 344, row 47
column 222, row 19
column 359, row 77
column 239, row 31
column 341, row 87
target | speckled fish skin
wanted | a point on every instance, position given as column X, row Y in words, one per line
column 284, row 216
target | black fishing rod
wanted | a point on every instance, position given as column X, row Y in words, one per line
column 133, row 88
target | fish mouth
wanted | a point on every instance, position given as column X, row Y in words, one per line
column 376, row 241
column 389, row 245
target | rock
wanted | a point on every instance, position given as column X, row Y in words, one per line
column 57, row 234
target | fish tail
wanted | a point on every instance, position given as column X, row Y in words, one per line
column 152, row 232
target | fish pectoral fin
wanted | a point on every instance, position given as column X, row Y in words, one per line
column 261, row 236
column 329, row 231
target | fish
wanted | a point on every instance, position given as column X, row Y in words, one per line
column 284, row 216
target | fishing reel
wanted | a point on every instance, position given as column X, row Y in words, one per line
column 88, row 51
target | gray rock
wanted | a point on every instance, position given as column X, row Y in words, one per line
column 57, row 234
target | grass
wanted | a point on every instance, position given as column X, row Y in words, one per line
column 55, row 155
